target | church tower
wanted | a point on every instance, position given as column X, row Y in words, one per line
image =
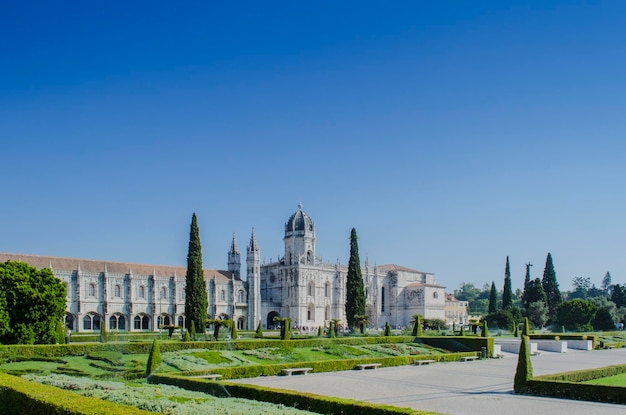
column 234, row 259
column 299, row 239
column 253, row 261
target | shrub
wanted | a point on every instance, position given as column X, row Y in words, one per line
column 524, row 367
column 387, row 329
column 259, row 331
column 154, row 359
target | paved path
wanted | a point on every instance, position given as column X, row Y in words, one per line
column 480, row 387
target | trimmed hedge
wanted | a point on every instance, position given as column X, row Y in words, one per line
column 79, row 349
column 567, row 385
column 19, row 396
column 300, row 400
column 459, row 343
column 250, row 371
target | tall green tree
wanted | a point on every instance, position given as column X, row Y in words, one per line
column 196, row 302
column 576, row 314
column 507, row 294
column 32, row 302
column 551, row 287
column 526, row 283
column 493, row 298
column 606, row 283
column 355, row 289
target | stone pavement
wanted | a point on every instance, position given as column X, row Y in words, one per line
column 481, row 387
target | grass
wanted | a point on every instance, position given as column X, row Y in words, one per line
column 615, row 380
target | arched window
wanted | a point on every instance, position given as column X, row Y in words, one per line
column 181, row 321
column 310, row 313
column 240, row 323
column 117, row 322
column 382, row 299
column 163, row 292
column 311, row 289
column 240, row 298
column 327, row 289
column 92, row 290
column 91, row 322
column 163, row 320
column 141, row 322
column 142, row 291
column 117, row 291
column 223, row 295
column 327, row 313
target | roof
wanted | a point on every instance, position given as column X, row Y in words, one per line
column 97, row 266
column 394, row 267
column 299, row 221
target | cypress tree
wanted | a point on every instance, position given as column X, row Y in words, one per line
column 331, row 330
column 493, row 299
column 485, row 330
column 196, row 302
column 192, row 330
column 507, row 294
column 551, row 288
column 355, row 290
column 103, row 332
column 526, row 284
column 526, row 329
column 154, row 359
column 524, row 367
column 387, row 329
column 417, row 325
column 234, row 335
column 60, row 331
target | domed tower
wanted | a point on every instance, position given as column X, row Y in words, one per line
column 299, row 239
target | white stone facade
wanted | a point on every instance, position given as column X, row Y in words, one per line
column 136, row 297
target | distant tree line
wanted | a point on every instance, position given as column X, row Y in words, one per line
column 585, row 308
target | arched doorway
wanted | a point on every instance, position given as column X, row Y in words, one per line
column 270, row 319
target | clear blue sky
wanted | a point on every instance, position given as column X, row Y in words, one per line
column 450, row 134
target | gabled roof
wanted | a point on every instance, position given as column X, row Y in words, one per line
column 394, row 267
column 97, row 266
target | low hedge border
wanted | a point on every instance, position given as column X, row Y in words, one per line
column 567, row 385
column 251, row 371
column 301, row 400
column 79, row 349
column 459, row 343
column 19, row 396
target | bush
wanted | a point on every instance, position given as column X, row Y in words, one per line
column 524, row 369
column 19, row 396
column 154, row 359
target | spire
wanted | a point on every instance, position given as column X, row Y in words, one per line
column 234, row 249
column 253, row 245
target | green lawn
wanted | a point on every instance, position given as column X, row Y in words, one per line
column 616, row 380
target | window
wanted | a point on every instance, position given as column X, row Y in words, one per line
column 310, row 313
column 163, row 293
column 91, row 322
column 117, row 291
column 223, row 295
column 327, row 289
column 142, row 291
column 181, row 295
column 311, row 289
column 181, row 321
column 92, row 290
column 69, row 321
column 141, row 322
column 117, row 322
column 382, row 299
column 327, row 313
column 240, row 296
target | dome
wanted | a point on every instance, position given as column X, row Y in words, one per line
column 299, row 221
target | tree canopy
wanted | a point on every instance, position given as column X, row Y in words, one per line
column 493, row 298
column 551, row 287
column 576, row 314
column 507, row 293
column 32, row 302
column 355, row 289
column 196, row 302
